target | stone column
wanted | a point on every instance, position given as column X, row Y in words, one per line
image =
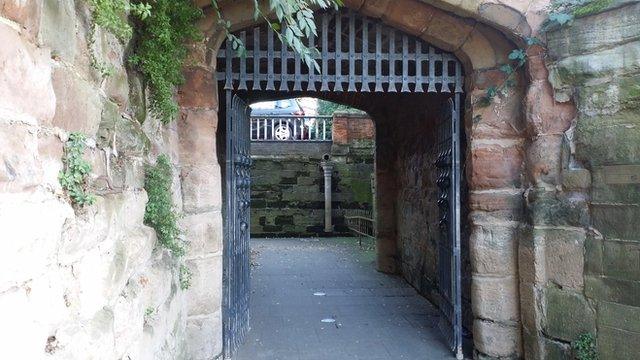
column 327, row 166
column 201, row 178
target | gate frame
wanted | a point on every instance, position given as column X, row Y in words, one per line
column 449, row 83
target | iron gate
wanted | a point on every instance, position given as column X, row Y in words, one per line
column 449, row 262
column 236, row 248
column 356, row 54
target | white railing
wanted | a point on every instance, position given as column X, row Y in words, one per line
column 291, row 128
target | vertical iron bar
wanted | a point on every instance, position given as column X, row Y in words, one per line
column 337, row 86
column 297, row 77
column 379, row 58
column 392, row 61
column 364, row 87
column 432, row 70
column 418, row 57
column 311, row 85
column 325, row 53
column 352, row 55
column 270, row 59
column 284, row 86
column 405, row 63
column 243, row 64
column 229, row 67
column 256, row 59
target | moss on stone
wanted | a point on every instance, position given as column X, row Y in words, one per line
column 592, row 7
column 361, row 190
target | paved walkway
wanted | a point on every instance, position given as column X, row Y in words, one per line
column 376, row 316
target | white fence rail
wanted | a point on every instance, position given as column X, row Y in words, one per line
column 291, row 128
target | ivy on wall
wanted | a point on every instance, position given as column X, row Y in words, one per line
column 160, row 50
column 73, row 176
column 162, row 28
column 561, row 13
column 585, row 347
column 161, row 213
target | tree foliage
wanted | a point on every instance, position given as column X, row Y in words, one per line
column 295, row 22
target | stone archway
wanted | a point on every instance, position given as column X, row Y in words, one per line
column 504, row 150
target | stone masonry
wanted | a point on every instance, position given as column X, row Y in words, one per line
column 552, row 170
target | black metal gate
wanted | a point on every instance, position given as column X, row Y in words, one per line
column 236, row 260
column 449, row 262
column 356, row 54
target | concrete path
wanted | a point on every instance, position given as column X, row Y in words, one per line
column 376, row 316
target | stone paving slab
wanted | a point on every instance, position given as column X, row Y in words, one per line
column 377, row 316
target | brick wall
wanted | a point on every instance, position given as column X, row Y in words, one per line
column 349, row 128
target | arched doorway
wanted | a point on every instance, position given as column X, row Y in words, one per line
column 358, row 55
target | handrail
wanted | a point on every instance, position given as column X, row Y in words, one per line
column 361, row 222
column 283, row 128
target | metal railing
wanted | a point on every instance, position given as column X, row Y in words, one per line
column 291, row 128
column 361, row 222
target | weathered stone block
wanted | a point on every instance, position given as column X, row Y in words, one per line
column 617, row 220
column 505, row 16
column 555, row 350
column 205, row 294
column 578, row 70
column 593, row 33
column 622, row 259
column 593, row 255
column 203, row 232
column 204, row 336
column 609, row 140
column 121, row 132
column 200, row 90
column 79, row 106
column 613, row 290
column 375, row 8
column 509, row 202
column 544, row 114
column 544, row 162
column 410, row 16
column 616, row 184
column 493, row 249
column 197, row 131
column 448, row 32
column 563, row 255
column 20, row 166
column 495, row 298
column 568, row 314
column 57, row 28
column 622, row 317
column 497, row 340
column 25, row 13
column 201, row 188
column 576, row 179
column 26, row 93
column 618, row 344
column 557, row 208
column 496, row 166
column 620, row 93
column 35, row 246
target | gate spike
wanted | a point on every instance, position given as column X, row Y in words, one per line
column 270, row 59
